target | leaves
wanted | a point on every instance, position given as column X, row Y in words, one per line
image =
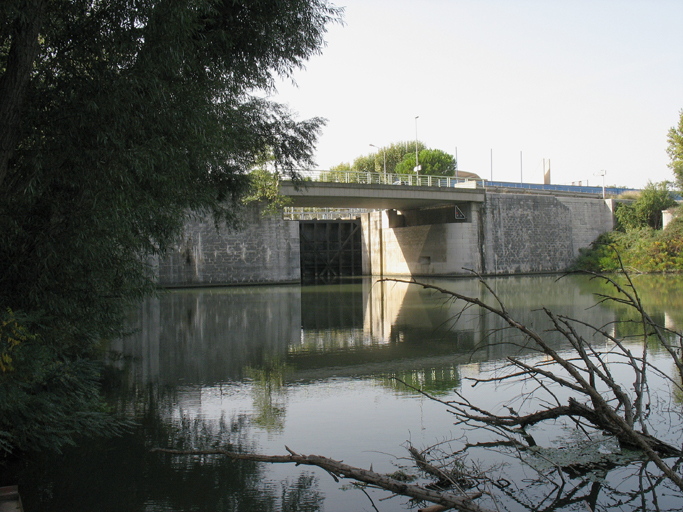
column 647, row 209
column 675, row 150
column 137, row 115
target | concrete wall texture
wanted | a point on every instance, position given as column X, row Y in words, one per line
column 508, row 233
column 266, row 250
column 437, row 249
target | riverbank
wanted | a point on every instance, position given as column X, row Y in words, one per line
column 640, row 250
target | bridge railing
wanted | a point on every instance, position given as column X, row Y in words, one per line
column 311, row 213
column 380, row 178
column 577, row 189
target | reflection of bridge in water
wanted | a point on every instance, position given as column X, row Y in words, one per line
column 362, row 329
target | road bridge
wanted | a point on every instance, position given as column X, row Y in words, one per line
column 408, row 226
column 341, row 189
column 375, row 196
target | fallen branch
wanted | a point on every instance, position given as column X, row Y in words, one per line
column 336, row 469
column 582, row 377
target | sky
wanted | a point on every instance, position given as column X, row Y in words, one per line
column 589, row 86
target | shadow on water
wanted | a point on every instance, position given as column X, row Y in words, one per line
column 122, row 474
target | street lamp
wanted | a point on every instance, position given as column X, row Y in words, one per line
column 602, row 173
column 385, row 158
column 417, row 162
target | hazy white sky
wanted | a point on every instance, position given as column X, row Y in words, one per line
column 588, row 85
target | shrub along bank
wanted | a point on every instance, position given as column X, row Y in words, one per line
column 644, row 250
column 639, row 239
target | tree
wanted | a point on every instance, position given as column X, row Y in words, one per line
column 365, row 163
column 374, row 162
column 434, row 162
column 646, row 211
column 675, row 151
column 396, row 152
column 119, row 120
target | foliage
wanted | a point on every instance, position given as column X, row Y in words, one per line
column 675, row 151
column 434, row 162
column 342, row 167
column 374, row 162
column 120, row 120
column 47, row 399
column 395, row 153
column 264, row 188
column 12, row 333
column 643, row 250
column 366, row 163
column 647, row 209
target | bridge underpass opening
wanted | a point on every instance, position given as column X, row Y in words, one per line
column 330, row 248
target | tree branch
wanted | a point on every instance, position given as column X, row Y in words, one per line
column 336, row 468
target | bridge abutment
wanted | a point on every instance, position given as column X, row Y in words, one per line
column 507, row 233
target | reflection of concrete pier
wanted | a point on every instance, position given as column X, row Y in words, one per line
column 364, row 328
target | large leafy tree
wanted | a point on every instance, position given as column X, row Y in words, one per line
column 374, row 161
column 675, row 151
column 119, row 119
column 434, row 162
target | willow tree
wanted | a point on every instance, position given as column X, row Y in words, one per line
column 119, row 119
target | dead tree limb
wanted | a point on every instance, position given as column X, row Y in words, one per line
column 583, row 374
column 337, row 469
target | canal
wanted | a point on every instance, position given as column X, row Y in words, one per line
column 314, row 368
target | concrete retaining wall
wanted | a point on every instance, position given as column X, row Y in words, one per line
column 509, row 233
column 532, row 233
column 265, row 251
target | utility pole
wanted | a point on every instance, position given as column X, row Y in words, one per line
column 385, row 157
column 417, row 162
column 491, row 164
column 456, row 162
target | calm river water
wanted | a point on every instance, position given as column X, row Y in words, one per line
column 308, row 367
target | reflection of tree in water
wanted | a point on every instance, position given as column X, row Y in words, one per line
column 299, row 497
column 435, row 381
column 658, row 293
column 269, row 394
column 121, row 474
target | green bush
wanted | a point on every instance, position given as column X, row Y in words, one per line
column 645, row 250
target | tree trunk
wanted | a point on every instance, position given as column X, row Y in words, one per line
column 14, row 82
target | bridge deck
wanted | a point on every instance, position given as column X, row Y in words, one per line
column 374, row 196
column 336, row 189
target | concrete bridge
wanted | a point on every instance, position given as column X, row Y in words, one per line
column 437, row 226
column 375, row 196
column 370, row 190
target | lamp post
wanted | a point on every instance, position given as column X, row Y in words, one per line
column 417, row 162
column 602, row 173
column 384, row 153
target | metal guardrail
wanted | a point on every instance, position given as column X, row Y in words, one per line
column 578, row 189
column 309, row 213
column 378, row 178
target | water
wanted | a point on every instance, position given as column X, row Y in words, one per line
column 312, row 368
